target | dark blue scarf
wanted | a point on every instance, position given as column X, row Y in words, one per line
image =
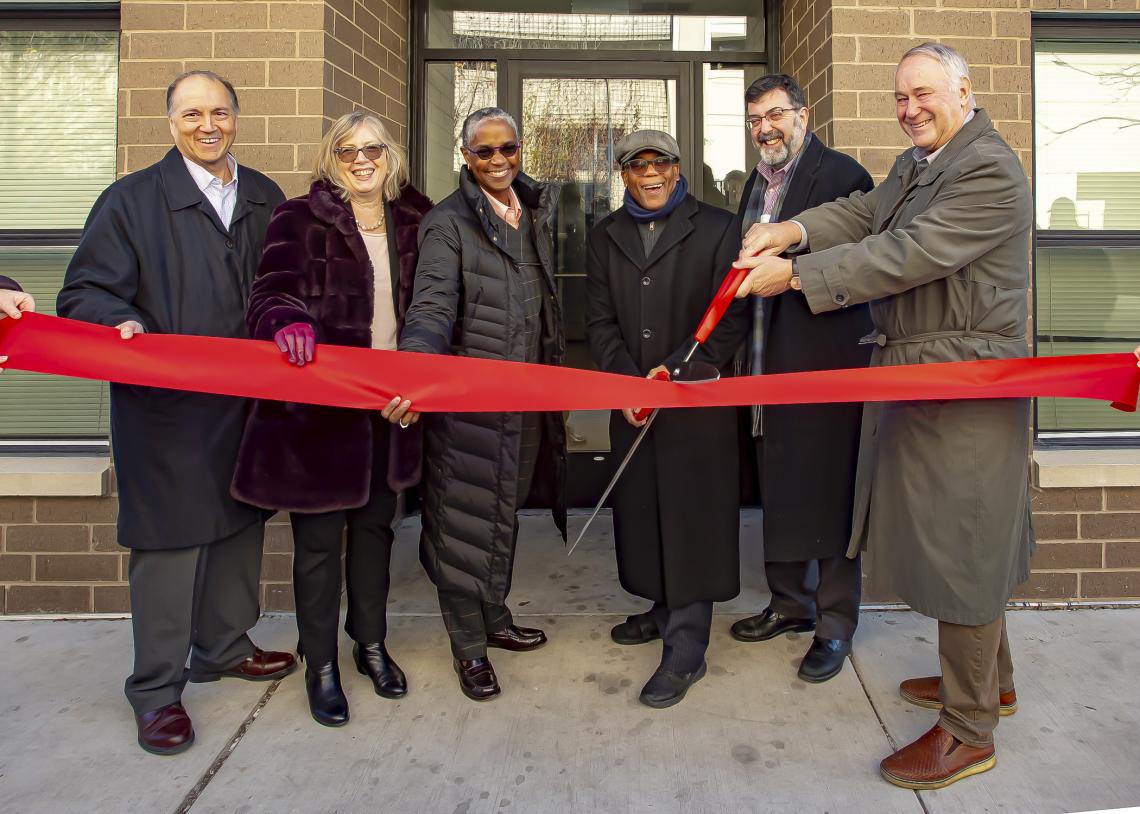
column 642, row 215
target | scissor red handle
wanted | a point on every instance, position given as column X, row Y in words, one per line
column 724, row 297
column 643, row 413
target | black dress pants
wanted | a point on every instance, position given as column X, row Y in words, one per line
column 368, row 556
column 825, row 590
column 685, row 634
column 469, row 619
column 199, row 601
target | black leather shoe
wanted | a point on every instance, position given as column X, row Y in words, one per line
column 477, row 678
column 518, row 639
column 326, row 698
column 372, row 660
column 768, row 625
column 637, row 629
column 666, row 688
column 824, row 659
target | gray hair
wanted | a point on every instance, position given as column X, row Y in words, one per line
column 483, row 115
column 952, row 62
column 209, row 75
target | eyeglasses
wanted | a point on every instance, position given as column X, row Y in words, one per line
column 774, row 116
column 371, row 151
column 484, row 153
column 640, row 166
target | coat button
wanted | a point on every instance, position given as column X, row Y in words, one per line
column 646, row 334
column 841, row 298
column 229, row 244
column 645, row 281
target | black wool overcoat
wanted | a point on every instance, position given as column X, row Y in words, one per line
column 807, row 454
column 676, row 507
column 467, row 302
column 315, row 269
column 154, row 250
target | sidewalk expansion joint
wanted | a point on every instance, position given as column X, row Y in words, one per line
column 883, row 725
column 227, row 750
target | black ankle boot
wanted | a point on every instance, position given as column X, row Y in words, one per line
column 326, row 698
column 372, row 660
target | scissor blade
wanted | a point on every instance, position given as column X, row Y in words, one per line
column 610, row 486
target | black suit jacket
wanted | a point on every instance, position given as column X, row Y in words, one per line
column 805, row 462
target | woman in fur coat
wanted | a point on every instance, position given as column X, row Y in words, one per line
column 337, row 268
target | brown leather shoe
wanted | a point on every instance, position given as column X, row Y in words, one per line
column 262, row 665
column 936, row 760
column 518, row 639
column 477, row 678
column 923, row 692
column 166, row 730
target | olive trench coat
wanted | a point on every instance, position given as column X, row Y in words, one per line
column 942, row 255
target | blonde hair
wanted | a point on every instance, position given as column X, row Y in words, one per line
column 327, row 166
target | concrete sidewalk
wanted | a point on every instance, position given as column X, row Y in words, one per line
column 568, row 734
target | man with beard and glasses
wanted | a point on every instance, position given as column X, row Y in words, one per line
column 805, row 454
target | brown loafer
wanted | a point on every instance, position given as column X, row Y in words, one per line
column 936, row 760
column 477, row 678
column 518, row 639
column 262, row 665
column 923, row 692
column 166, row 730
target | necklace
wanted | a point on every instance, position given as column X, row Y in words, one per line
column 364, row 227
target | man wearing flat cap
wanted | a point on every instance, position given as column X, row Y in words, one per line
column 651, row 271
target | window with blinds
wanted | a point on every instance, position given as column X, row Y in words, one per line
column 57, row 154
column 1087, row 188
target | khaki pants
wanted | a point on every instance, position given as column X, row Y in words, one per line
column 976, row 667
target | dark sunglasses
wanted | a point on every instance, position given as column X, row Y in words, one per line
column 371, row 151
column 485, row 153
column 639, row 166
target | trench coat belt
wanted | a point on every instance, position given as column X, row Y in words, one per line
column 884, row 341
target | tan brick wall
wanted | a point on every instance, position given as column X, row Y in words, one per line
column 296, row 65
column 845, row 52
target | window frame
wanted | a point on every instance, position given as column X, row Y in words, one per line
column 1075, row 27
column 420, row 55
column 73, row 15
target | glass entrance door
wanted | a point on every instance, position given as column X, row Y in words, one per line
column 573, row 115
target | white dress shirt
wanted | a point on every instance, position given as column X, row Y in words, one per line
column 221, row 196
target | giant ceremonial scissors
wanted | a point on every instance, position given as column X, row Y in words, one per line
column 686, row 372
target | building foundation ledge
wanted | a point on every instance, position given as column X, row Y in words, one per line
column 1068, row 468
column 55, row 476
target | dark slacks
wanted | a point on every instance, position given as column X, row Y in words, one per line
column 685, row 634
column 368, row 557
column 199, row 601
column 468, row 619
column 825, row 590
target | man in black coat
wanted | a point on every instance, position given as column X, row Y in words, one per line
column 652, row 268
column 805, row 455
column 173, row 249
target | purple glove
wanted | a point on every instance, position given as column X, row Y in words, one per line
column 299, row 340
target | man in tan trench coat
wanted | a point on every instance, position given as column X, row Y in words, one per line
column 941, row 251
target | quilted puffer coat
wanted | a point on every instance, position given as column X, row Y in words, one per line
column 467, row 301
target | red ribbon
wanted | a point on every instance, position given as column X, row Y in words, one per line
column 369, row 379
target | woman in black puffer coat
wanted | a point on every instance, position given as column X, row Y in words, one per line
column 485, row 288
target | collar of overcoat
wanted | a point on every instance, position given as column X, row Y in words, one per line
column 970, row 132
column 539, row 198
column 678, row 225
column 182, row 193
